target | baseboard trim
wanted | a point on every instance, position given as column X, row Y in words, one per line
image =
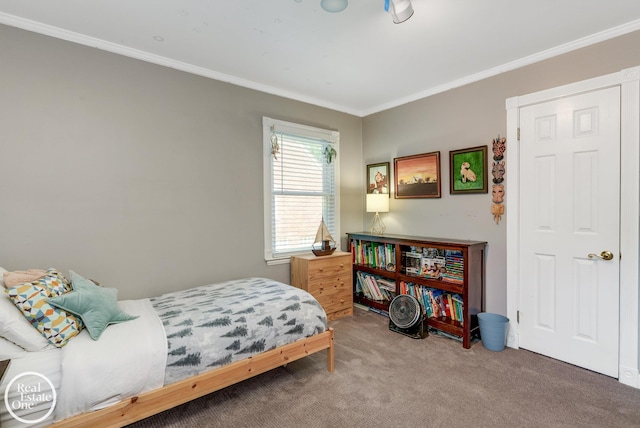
column 629, row 376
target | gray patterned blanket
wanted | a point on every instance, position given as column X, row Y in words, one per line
column 217, row 324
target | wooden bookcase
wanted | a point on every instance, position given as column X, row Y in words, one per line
column 385, row 256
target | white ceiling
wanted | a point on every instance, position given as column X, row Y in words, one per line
column 356, row 61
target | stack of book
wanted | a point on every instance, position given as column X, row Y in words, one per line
column 454, row 264
column 374, row 287
column 436, row 303
column 436, row 263
column 374, row 254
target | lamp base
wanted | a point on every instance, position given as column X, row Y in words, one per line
column 377, row 226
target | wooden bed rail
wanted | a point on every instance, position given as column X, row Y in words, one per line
column 150, row 403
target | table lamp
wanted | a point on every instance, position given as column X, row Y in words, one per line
column 377, row 203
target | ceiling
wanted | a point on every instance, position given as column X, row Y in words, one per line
column 356, row 61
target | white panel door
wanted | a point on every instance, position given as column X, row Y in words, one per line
column 569, row 206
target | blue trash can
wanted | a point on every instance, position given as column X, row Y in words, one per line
column 493, row 330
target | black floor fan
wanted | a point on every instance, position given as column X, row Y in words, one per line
column 407, row 317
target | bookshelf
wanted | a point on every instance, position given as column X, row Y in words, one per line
column 446, row 275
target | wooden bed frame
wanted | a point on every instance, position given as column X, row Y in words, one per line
column 150, row 403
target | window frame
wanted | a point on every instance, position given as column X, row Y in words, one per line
column 306, row 131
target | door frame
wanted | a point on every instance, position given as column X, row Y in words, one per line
column 629, row 82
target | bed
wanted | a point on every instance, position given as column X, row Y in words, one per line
column 178, row 347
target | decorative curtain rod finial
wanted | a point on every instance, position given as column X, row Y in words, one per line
column 275, row 146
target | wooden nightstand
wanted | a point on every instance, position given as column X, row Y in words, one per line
column 328, row 279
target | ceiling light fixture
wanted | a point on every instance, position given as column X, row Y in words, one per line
column 334, row 6
column 400, row 10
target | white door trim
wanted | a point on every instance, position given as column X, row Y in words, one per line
column 629, row 82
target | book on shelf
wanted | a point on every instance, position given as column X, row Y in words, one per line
column 413, row 262
column 373, row 254
column 362, row 285
column 433, row 267
column 454, row 264
column 372, row 289
column 458, row 305
column 434, row 263
column 386, row 284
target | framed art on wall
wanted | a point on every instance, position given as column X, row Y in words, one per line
column 417, row 176
column 378, row 178
column 468, row 170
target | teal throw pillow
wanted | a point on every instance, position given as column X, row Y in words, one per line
column 96, row 306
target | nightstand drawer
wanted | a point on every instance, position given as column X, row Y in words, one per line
column 333, row 307
column 340, row 290
column 329, row 268
column 329, row 284
column 328, row 279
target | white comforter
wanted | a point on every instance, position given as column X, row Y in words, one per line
column 129, row 359
column 46, row 363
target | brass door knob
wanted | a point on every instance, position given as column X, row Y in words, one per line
column 605, row 255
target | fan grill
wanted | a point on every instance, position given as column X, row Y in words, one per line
column 405, row 311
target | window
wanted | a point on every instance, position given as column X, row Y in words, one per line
column 301, row 187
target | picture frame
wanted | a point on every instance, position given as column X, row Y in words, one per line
column 468, row 171
column 417, row 176
column 378, row 178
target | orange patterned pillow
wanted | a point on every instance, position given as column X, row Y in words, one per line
column 56, row 325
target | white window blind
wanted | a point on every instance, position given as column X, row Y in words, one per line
column 301, row 186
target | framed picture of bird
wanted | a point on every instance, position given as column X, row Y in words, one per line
column 468, row 170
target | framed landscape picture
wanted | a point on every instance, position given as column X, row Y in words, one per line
column 468, row 170
column 378, row 178
column 417, row 176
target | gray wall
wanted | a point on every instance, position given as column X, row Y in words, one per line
column 145, row 178
column 150, row 179
column 471, row 116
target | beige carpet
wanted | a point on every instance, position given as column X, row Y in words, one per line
column 384, row 379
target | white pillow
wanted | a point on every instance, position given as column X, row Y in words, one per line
column 16, row 328
column 10, row 351
column 2, row 271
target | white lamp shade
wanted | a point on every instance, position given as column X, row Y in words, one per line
column 377, row 203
